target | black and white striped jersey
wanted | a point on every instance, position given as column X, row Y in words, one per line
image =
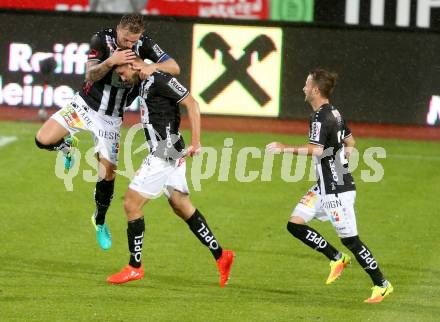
column 110, row 95
column 160, row 96
column 328, row 129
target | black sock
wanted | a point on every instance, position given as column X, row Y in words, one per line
column 199, row 227
column 365, row 259
column 60, row 145
column 103, row 196
column 135, row 236
column 313, row 239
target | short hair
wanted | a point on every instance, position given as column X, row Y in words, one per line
column 324, row 80
column 134, row 22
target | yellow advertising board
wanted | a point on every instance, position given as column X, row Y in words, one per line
column 236, row 70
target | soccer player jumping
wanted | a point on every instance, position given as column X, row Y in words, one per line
column 99, row 107
column 333, row 197
column 164, row 169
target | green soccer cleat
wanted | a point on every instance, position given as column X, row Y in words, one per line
column 68, row 161
column 380, row 292
column 336, row 268
column 71, row 142
column 103, row 235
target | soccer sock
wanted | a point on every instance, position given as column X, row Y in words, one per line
column 313, row 239
column 59, row 146
column 135, row 236
column 200, row 228
column 103, row 196
column 365, row 259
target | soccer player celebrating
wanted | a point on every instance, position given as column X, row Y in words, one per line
column 164, row 169
column 99, row 107
column 333, row 197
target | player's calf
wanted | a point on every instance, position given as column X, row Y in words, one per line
column 135, row 235
column 313, row 239
column 103, row 196
column 198, row 225
column 365, row 258
column 224, row 258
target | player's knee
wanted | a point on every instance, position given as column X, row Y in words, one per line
column 42, row 143
column 41, row 139
column 297, row 220
column 38, row 143
column 352, row 243
column 110, row 174
column 130, row 206
column 107, row 171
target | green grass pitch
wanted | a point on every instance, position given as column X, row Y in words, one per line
column 51, row 268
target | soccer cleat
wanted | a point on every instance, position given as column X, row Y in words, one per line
column 70, row 142
column 224, row 264
column 336, row 268
column 380, row 292
column 103, row 235
column 68, row 161
column 127, row 274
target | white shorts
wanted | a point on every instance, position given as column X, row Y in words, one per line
column 157, row 175
column 77, row 116
column 339, row 209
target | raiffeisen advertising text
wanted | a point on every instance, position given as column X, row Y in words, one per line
column 70, row 58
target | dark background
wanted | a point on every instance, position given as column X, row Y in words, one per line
column 385, row 75
column 333, row 12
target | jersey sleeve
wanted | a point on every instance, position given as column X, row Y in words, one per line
column 152, row 51
column 168, row 86
column 318, row 130
column 347, row 130
column 97, row 49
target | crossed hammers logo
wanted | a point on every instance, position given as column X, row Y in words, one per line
column 236, row 69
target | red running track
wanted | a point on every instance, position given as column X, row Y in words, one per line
column 261, row 125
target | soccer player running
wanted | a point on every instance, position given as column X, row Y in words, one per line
column 99, row 107
column 333, row 197
column 164, row 169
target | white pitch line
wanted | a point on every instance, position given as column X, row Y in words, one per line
column 5, row 140
column 415, row 157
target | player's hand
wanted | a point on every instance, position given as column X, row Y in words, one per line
column 275, row 147
column 121, row 57
column 347, row 152
column 145, row 70
column 193, row 150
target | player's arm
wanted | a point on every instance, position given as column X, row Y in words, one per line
column 168, row 66
column 161, row 61
column 97, row 67
column 349, row 143
column 169, row 87
column 315, row 146
column 193, row 109
column 305, row 149
column 145, row 69
column 96, row 70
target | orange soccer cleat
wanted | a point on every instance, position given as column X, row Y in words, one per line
column 224, row 264
column 336, row 268
column 380, row 292
column 127, row 274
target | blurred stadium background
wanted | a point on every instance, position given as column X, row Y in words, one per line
column 386, row 54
